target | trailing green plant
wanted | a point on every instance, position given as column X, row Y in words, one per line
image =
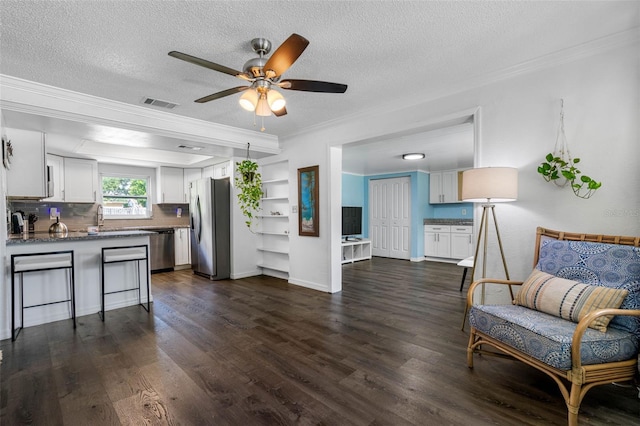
column 249, row 182
column 555, row 168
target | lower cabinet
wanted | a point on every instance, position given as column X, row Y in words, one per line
column 182, row 246
column 437, row 241
column 461, row 242
column 448, row 241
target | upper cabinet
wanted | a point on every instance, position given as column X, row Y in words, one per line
column 27, row 175
column 189, row 176
column 173, row 184
column 170, row 182
column 80, row 180
column 55, row 165
column 443, row 187
column 222, row 170
column 73, row 180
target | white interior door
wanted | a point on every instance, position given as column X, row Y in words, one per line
column 390, row 217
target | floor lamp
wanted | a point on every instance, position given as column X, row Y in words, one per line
column 488, row 185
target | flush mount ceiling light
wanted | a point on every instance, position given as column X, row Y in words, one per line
column 264, row 75
column 413, row 156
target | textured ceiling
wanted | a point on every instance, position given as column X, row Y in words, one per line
column 386, row 51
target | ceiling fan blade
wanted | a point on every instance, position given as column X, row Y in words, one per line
column 208, row 64
column 313, row 86
column 222, row 94
column 285, row 55
column 279, row 113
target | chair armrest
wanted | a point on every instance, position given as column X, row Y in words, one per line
column 582, row 326
column 487, row 281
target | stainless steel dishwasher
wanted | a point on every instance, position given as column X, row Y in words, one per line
column 162, row 250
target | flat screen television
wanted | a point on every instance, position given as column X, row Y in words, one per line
column 351, row 221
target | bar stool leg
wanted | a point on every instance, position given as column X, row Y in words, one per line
column 101, row 313
column 13, row 302
column 73, row 292
column 148, row 284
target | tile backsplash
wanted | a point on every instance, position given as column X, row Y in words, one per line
column 77, row 216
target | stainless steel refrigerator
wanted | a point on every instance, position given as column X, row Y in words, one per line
column 209, row 210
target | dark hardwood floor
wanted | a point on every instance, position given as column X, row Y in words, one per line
column 386, row 350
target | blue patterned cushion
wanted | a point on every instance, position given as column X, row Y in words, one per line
column 608, row 265
column 548, row 338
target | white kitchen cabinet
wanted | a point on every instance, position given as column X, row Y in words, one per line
column 182, row 246
column 189, row 175
column 222, row 170
column 81, row 184
column 170, row 183
column 207, row 172
column 443, row 187
column 55, row 163
column 437, row 241
column 27, row 175
column 461, row 242
column 74, row 180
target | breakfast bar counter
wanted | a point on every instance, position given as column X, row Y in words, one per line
column 45, row 237
column 41, row 286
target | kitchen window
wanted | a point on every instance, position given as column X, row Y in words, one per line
column 125, row 197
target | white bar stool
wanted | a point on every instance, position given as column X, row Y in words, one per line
column 33, row 262
column 126, row 254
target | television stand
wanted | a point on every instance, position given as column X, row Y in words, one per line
column 353, row 251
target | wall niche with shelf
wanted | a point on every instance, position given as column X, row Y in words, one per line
column 273, row 229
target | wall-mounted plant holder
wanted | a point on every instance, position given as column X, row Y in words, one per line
column 560, row 168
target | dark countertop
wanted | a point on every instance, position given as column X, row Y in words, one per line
column 45, row 237
column 453, row 222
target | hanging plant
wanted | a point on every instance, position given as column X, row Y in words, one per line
column 555, row 169
column 249, row 182
column 561, row 169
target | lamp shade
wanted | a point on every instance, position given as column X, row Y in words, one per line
column 249, row 100
column 262, row 109
column 490, row 184
column 276, row 100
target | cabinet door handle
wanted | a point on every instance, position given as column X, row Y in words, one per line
column 94, row 195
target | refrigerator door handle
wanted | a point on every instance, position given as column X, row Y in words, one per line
column 199, row 221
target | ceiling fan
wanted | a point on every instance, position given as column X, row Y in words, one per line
column 264, row 76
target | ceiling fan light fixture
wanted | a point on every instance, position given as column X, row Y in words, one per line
column 262, row 109
column 249, row 100
column 276, row 100
column 413, row 156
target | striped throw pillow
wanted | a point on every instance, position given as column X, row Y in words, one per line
column 567, row 299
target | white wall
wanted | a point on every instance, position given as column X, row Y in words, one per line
column 243, row 242
column 518, row 123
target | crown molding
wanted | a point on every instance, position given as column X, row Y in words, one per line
column 585, row 50
column 39, row 99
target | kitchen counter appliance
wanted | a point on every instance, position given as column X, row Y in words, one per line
column 162, row 250
column 209, row 211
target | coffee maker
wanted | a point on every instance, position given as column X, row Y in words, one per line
column 17, row 222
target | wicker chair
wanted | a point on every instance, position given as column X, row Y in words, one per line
column 569, row 352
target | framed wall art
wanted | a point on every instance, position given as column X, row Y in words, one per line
column 308, row 202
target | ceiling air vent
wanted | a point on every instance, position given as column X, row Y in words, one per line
column 193, row 148
column 159, row 103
